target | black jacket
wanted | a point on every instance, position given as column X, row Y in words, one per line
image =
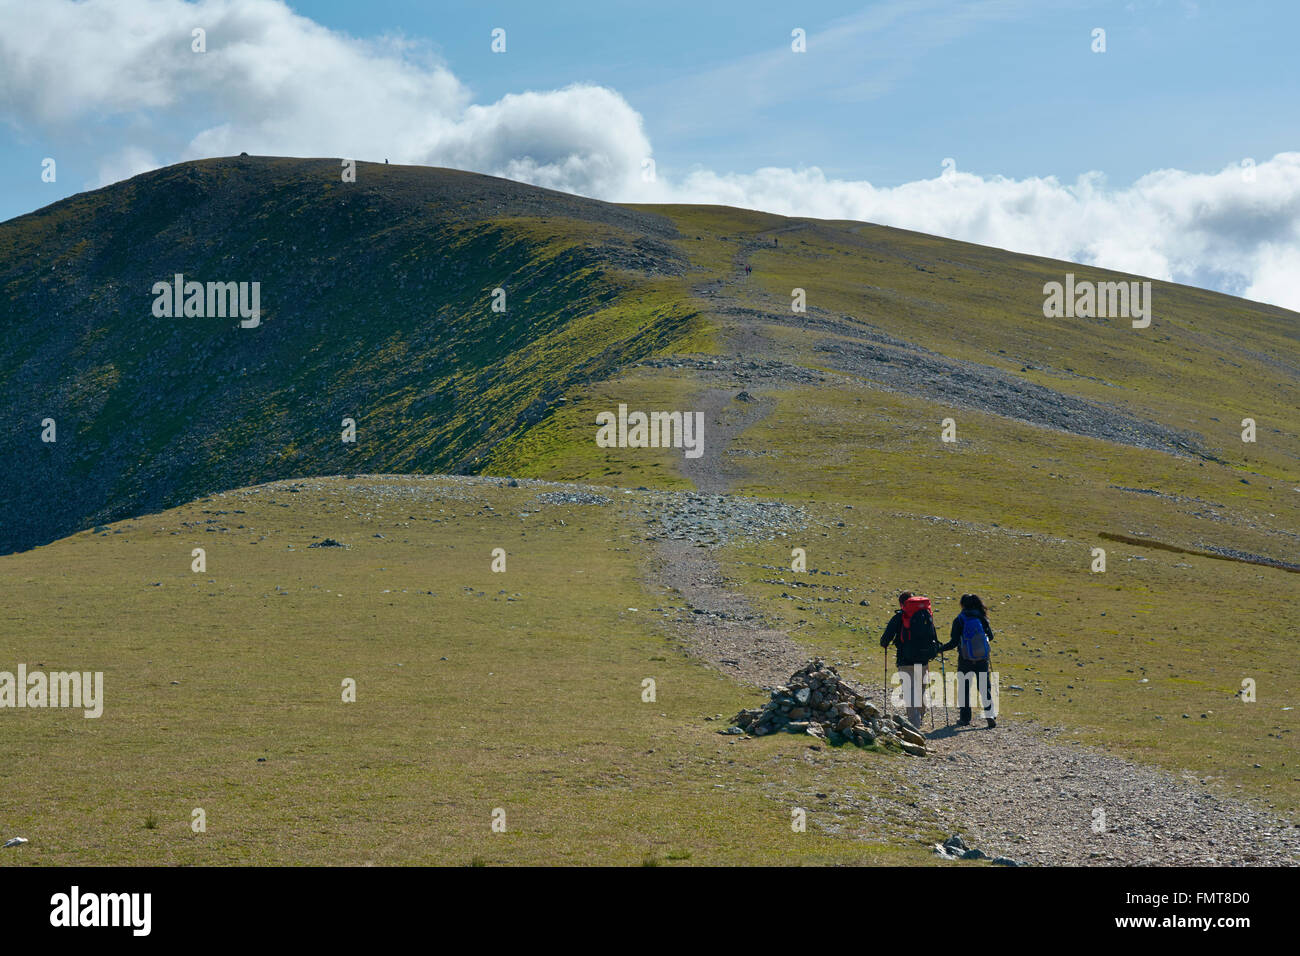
column 892, row 631
column 957, row 628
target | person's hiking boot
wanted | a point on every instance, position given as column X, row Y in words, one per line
column 992, row 722
column 963, row 722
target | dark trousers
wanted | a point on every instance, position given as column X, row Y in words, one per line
column 973, row 680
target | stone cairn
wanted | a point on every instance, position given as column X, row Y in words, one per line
column 817, row 702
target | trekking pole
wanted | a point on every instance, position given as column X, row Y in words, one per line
column 989, row 680
column 886, row 681
column 929, row 692
column 943, row 669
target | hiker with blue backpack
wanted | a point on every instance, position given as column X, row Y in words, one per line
column 971, row 635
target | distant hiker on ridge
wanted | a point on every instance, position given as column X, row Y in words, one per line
column 911, row 629
column 971, row 635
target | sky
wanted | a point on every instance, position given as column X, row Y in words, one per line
column 1167, row 146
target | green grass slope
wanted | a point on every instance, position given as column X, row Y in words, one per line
column 376, row 298
column 475, row 690
column 377, row 306
column 1206, row 361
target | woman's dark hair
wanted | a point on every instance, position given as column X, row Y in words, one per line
column 902, row 598
column 972, row 602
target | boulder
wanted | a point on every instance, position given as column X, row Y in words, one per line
column 904, row 722
column 867, row 709
column 911, row 736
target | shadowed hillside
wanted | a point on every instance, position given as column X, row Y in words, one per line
column 376, row 300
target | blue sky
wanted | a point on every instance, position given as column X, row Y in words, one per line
column 1010, row 88
column 856, row 127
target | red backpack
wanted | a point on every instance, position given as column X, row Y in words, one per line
column 918, row 641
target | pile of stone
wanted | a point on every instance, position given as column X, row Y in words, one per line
column 818, row 702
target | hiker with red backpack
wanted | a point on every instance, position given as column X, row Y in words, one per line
column 971, row 635
column 911, row 630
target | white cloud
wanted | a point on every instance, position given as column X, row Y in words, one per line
column 1221, row 230
column 583, row 139
column 124, row 163
column 1274, row 278
column 274, row 82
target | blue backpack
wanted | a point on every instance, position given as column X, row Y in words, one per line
column 974, row 642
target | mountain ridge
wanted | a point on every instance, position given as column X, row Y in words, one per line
column 377, row 306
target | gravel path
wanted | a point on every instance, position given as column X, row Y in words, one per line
column 725, row 417
column 716, row 623
column 1034, row 799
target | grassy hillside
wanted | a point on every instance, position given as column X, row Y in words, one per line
column 1012, row 509
column 475, row 691
column 1206, row 361
column 376, row 302
column 377, row 306
column 522, row 690
column 1118, row 657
